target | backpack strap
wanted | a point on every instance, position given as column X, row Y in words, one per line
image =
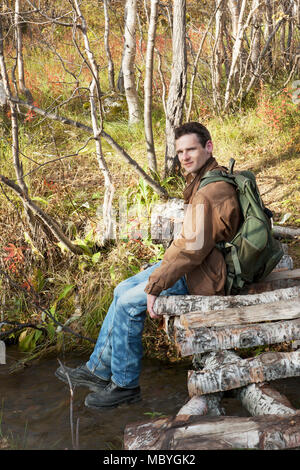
column 216, row 175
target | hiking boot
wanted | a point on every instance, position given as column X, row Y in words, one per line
column 112, row 396
column 81, row 376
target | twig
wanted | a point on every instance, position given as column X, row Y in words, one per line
column 74, row 444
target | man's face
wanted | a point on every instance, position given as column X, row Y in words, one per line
column 191, row 154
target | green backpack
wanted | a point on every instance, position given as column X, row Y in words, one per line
column 253, row 253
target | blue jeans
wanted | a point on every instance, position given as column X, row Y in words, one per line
column 118, row 352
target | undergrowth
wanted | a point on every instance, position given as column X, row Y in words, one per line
column 64, row 178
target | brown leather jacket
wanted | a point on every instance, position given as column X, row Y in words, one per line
column 212, row 215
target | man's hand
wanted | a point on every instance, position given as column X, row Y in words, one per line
column 150, row 302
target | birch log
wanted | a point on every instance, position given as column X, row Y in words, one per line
column 212, row 433
column 275, row 280
column 281, row 310
column 261, row 399
column 257, row 399
column 268, row 366
column 203, row 339
column 206, row 404
column 182, row 304
column 286, row 232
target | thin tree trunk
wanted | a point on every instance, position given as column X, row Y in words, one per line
column 15, row 135
column 148, row 87
column 268, row 30
column 256, row 36
column 129, row 60
column 111, row 68
column 19, row 51
column 234, row 7
column 177, row 91
column 95, row 97
column 217, row 55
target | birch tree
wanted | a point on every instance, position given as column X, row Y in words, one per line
column 178, row 83
column 148, row 87
column 128, row 61
column 111, row 68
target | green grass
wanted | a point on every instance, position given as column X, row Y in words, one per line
column 263, row 137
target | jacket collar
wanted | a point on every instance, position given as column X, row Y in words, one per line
column 193, row 179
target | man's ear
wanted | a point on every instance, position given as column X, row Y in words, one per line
column 209, row 146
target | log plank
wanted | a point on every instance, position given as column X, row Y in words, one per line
column 275, row 280
column 258, row 399
column 264, row 368
column 203, row 339
column 261, row 399
column 212, row 433
column 281, row 310
column 182, row 304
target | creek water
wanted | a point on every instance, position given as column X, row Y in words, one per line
column 35, row 405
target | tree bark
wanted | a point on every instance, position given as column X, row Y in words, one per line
column 285, row 232
column 269, row 30
column 19, row 51
column 275, row 280
column 217, row 56
column 234, row 7
column 273, row 311
column 256, row 35
column 261, row 399
column 205, row 305
column 129, row 60
column 15, row 135
column 264, row 368
column 177, row 90
column 148, row 87
column 96, row 114
column 213, row 433
column 200, row 339
column 111, row 68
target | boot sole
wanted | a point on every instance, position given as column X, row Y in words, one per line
column 129, row 400
column 83, row 383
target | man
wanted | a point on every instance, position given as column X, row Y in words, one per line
column 191, row 265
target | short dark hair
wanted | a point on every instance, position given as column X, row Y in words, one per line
column 193, row 128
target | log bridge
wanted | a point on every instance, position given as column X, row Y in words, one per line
column 210, row 329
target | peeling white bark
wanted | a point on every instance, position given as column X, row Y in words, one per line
column 268, row 366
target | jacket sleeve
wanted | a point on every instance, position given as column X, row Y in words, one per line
column 195, row 242
column 204, row 225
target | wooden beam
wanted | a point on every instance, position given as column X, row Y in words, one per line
column 203, row 339
column 212, row 433
column 280, row 310
column 258, row 399
column 261, row 399
column 264, row 368
column 182, row 304
column 275, row 280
